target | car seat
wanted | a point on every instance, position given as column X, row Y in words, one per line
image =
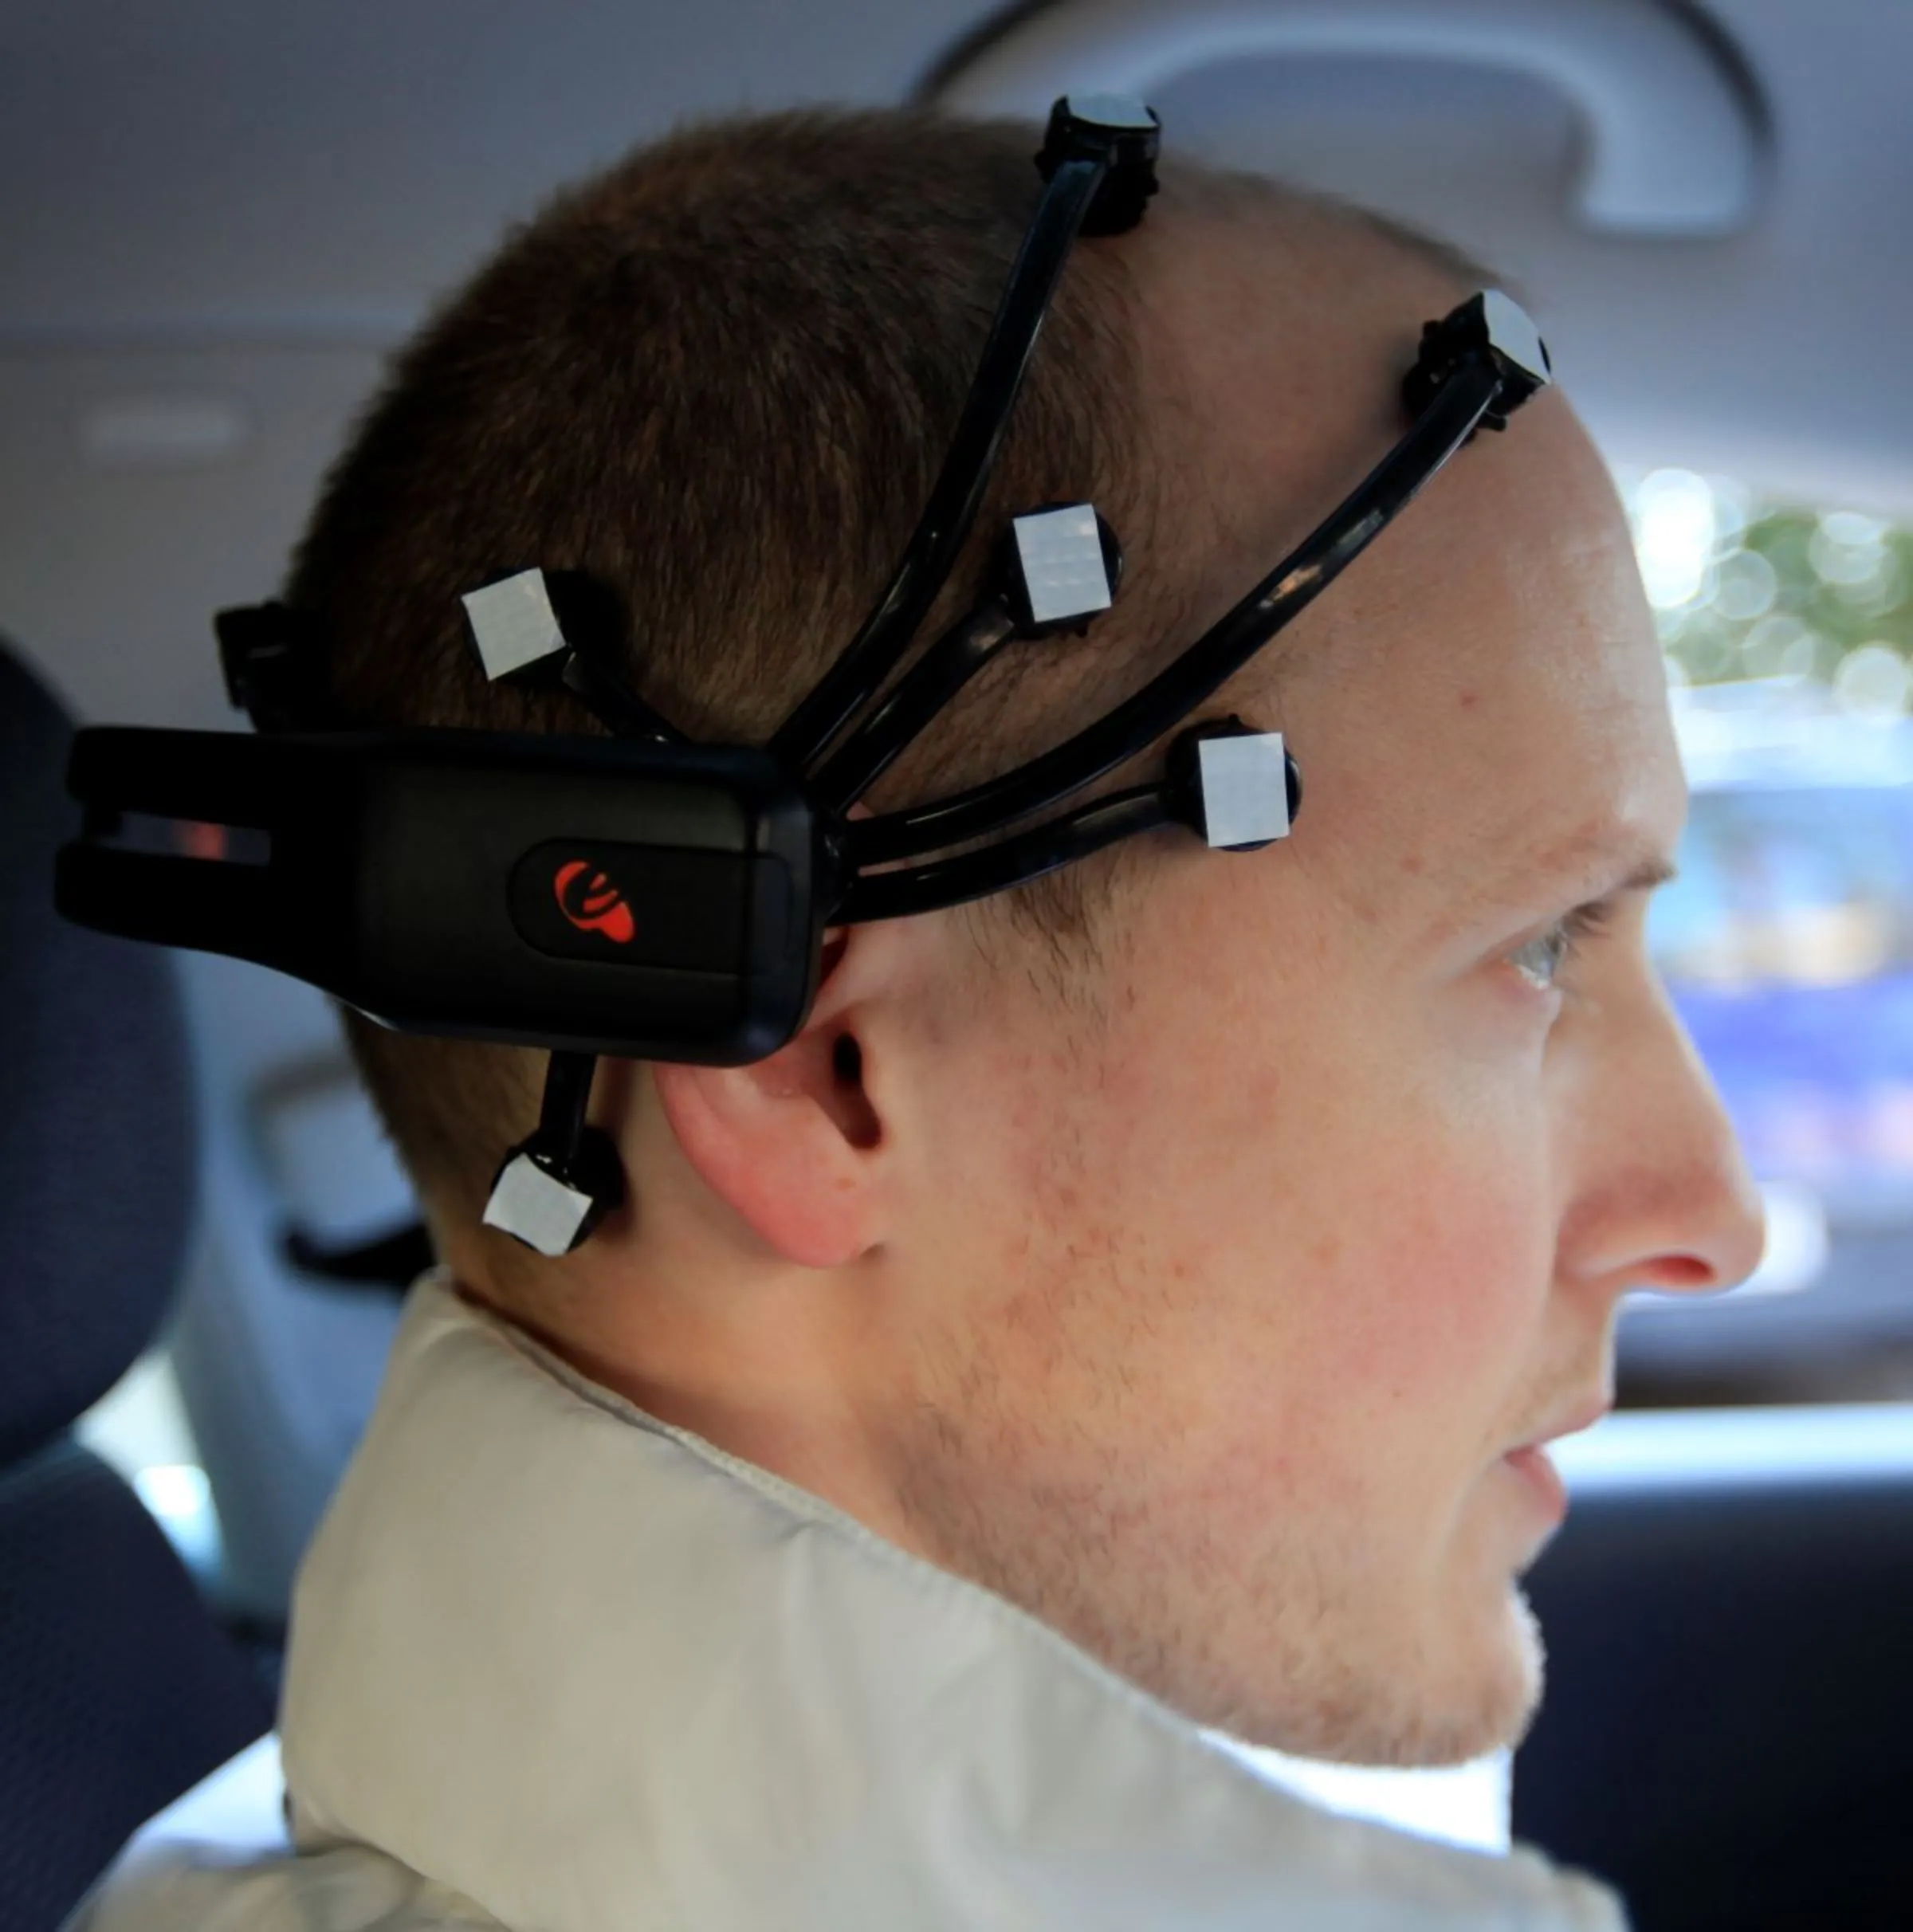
column 118, row 1689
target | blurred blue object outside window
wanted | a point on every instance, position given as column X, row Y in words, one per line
column 1787, row 941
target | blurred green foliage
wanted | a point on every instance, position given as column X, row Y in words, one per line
column 1789, row 592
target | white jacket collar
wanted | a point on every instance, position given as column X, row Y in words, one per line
column 598, row 1676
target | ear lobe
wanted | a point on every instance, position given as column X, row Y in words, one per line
column 785, row 1143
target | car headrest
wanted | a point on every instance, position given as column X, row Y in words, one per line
column 97, row 1130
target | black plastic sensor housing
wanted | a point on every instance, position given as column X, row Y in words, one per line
column 644, row 901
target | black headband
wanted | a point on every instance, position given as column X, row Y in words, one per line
column 641, row 896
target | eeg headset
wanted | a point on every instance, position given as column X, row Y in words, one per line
column 641, row 896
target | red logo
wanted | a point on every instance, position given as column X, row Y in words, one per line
column 593, row 904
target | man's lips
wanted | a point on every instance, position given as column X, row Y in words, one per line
column 1570, row 1421
column 1530, row 1461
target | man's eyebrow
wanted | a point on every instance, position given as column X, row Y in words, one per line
column 1629, row 868
column 1657, row 869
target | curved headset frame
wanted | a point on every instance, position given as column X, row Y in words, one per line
column 637, row 895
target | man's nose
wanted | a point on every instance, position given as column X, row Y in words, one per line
column 1670, row 1204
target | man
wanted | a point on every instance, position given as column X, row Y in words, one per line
column 1135, row 1304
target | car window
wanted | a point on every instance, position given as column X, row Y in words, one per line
column 1787, row 941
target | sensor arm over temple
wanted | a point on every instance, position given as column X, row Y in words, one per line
column 914, row 702
column 1452, row 415
column 1057, row 569
column 1016, row 860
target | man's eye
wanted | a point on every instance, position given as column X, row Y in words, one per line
column 1540, row 961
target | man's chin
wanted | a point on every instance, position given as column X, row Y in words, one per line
column 1495, row 1712
column 1505, row 1692
column 1484, row 1702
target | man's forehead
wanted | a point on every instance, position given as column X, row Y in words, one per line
column 1481, row 698
column 1473, row 756
column 1556, row 781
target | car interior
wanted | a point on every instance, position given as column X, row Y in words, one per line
column 218, row 222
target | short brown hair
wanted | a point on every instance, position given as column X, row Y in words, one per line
column 718, row 378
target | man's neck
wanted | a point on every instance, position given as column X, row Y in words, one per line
column 773, row 1400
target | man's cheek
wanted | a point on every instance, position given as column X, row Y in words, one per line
column 1445, row 1288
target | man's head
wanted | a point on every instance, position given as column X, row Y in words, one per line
column 718, row 380
column 1184, row 1260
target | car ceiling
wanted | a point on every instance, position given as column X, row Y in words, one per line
column 216, row 218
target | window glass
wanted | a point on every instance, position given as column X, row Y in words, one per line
column 1787, row 941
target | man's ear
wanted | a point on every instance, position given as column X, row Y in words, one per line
column 788, row 1143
